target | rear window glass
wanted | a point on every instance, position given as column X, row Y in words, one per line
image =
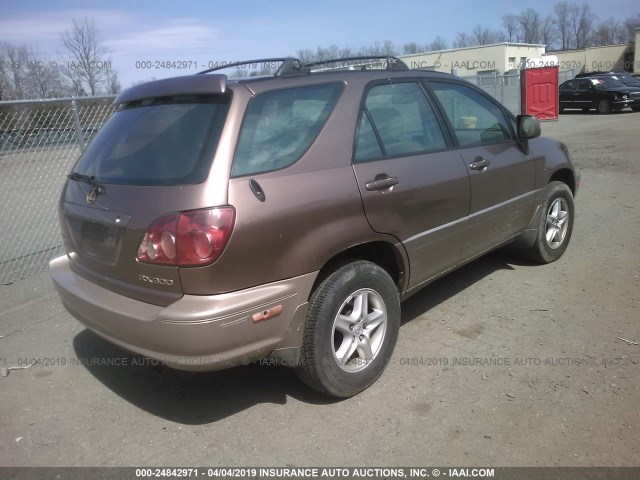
column 281, row 125
column 157, row 142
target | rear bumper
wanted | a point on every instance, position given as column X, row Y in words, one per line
column 196, row 332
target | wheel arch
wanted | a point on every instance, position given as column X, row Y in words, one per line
column 392, row 258
column 565, row 175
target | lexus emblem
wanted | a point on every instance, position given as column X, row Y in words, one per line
column 93, row 194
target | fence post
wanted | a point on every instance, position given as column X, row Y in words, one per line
column 76, row 121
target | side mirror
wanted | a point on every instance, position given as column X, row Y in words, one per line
column 528, row 127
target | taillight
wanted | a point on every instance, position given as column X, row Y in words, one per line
column 187, row 239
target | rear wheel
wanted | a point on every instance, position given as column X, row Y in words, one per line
column 351, row 330
column 556, row 225
column 604, row 106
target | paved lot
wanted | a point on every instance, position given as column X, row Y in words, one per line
column 501, row 363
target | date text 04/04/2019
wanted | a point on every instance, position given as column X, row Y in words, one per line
column 499, row 361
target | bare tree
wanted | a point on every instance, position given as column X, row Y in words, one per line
column 631, row 23
column 43, row 79
column 25, row 75
column 529, row 21
column 438, row 43
column 113, row 83
column 483, row 35
column 385, row 48
column 561, row 10
column 462, row 40
column 548, row 31
column 607, row 32
column 410, row 48
column 581, row 21
column 305, row 55
column 333, row 51
column 86, row 55
column 511, row 26
column 500, row 36
column 13, row 74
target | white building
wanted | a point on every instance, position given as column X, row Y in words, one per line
column 496, row 58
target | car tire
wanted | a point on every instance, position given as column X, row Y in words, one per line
column 556, row 224
column 635, row 109
column 604, row 106
column 358, row 300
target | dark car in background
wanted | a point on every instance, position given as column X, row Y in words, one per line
column 603, row 93
column 623, row 77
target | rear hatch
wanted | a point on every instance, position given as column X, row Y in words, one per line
column 151, row 159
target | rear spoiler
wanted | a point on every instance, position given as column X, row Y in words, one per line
column 187, row 85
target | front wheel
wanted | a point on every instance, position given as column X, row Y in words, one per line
column 556, row 224
column 351, row 330
column 604, row 106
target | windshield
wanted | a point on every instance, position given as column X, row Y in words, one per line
column 605, row 82
column 627, row 79
column 169, row 141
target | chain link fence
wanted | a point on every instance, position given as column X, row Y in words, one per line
column 39, row 143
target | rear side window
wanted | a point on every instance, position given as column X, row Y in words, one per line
column 475, row 119
column 281, row 125
column 157, row 142
column 583, row 85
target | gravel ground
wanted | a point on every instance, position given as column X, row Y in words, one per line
column 501, row 363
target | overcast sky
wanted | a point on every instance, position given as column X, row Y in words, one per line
column 214, row 31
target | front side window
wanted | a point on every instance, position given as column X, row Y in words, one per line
column 475, row 119
column 281, row 125
column 403, row 119
column 569, row 86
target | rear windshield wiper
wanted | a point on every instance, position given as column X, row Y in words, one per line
column 90, row 179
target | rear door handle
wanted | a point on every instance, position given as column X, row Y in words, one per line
column 479, row 164
column 381, row 182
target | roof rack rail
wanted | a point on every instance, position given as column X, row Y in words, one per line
column 290, row 66
column 393, row 63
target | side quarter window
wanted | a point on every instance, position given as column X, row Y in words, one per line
column 368, row 146
column 279, row 126
column 397, row 120
column 474, row 118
